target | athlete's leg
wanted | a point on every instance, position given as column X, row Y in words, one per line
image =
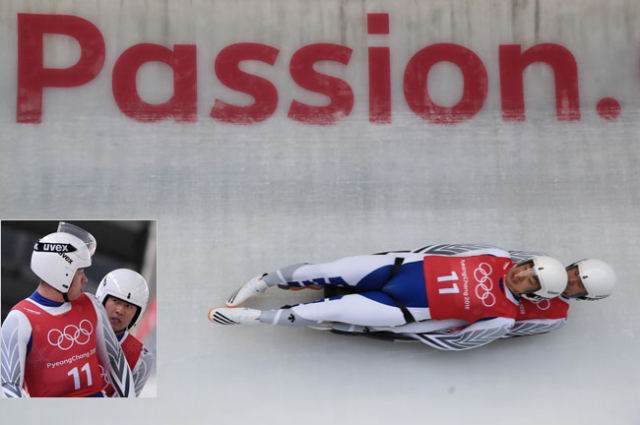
column 365, row 309
column 366, row 272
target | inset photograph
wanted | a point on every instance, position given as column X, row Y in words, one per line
column 78, row 308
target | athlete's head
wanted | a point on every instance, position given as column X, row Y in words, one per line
column 124, row 294
column 590, row 280
column 58, row 259
column 537, row 278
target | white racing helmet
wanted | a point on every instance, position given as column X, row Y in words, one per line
column 57, row 257
column 128, row 286
column 597, row 277
column 552, row 277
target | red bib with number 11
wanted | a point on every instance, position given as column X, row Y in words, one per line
column 63, row 361
column 468, row 288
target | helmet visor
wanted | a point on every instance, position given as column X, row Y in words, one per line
column 79, row 233
column 528, row 280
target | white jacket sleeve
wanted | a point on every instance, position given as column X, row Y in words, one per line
column 519, row 256
column 142, row 370
column 16, row 332
column 462, row 250
column 475, row 335
column 534, row 327
column 111, row 354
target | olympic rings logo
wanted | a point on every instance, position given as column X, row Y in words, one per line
column 481, row 274
column 70, row 335
column 542, row 304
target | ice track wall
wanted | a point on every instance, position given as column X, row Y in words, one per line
column 265, row 133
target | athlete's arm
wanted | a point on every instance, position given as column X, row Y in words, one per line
column 475, row 335
column 519, row 256
column 534, row 327
column 142, row 370
column 462, row 250
column 16, row 333
column 111, row 354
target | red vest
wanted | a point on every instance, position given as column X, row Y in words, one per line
column 132, row 349
column 556, row 308
column 467, row 288
column 63, row 361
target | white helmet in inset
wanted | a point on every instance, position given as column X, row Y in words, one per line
column 128, row 286
column 57, row 257
column 552, row 277
column 597, row 277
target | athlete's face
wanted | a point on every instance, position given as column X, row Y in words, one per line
column 575, row 287
column 77, row 285
column 522, row 279
column 119, row 313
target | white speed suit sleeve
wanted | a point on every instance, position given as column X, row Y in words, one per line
column 461, row 250
column 534, row 327
column 111, row 354
column 457, row 250
column 142, row 370
column 16, row 332
column 475, row 335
